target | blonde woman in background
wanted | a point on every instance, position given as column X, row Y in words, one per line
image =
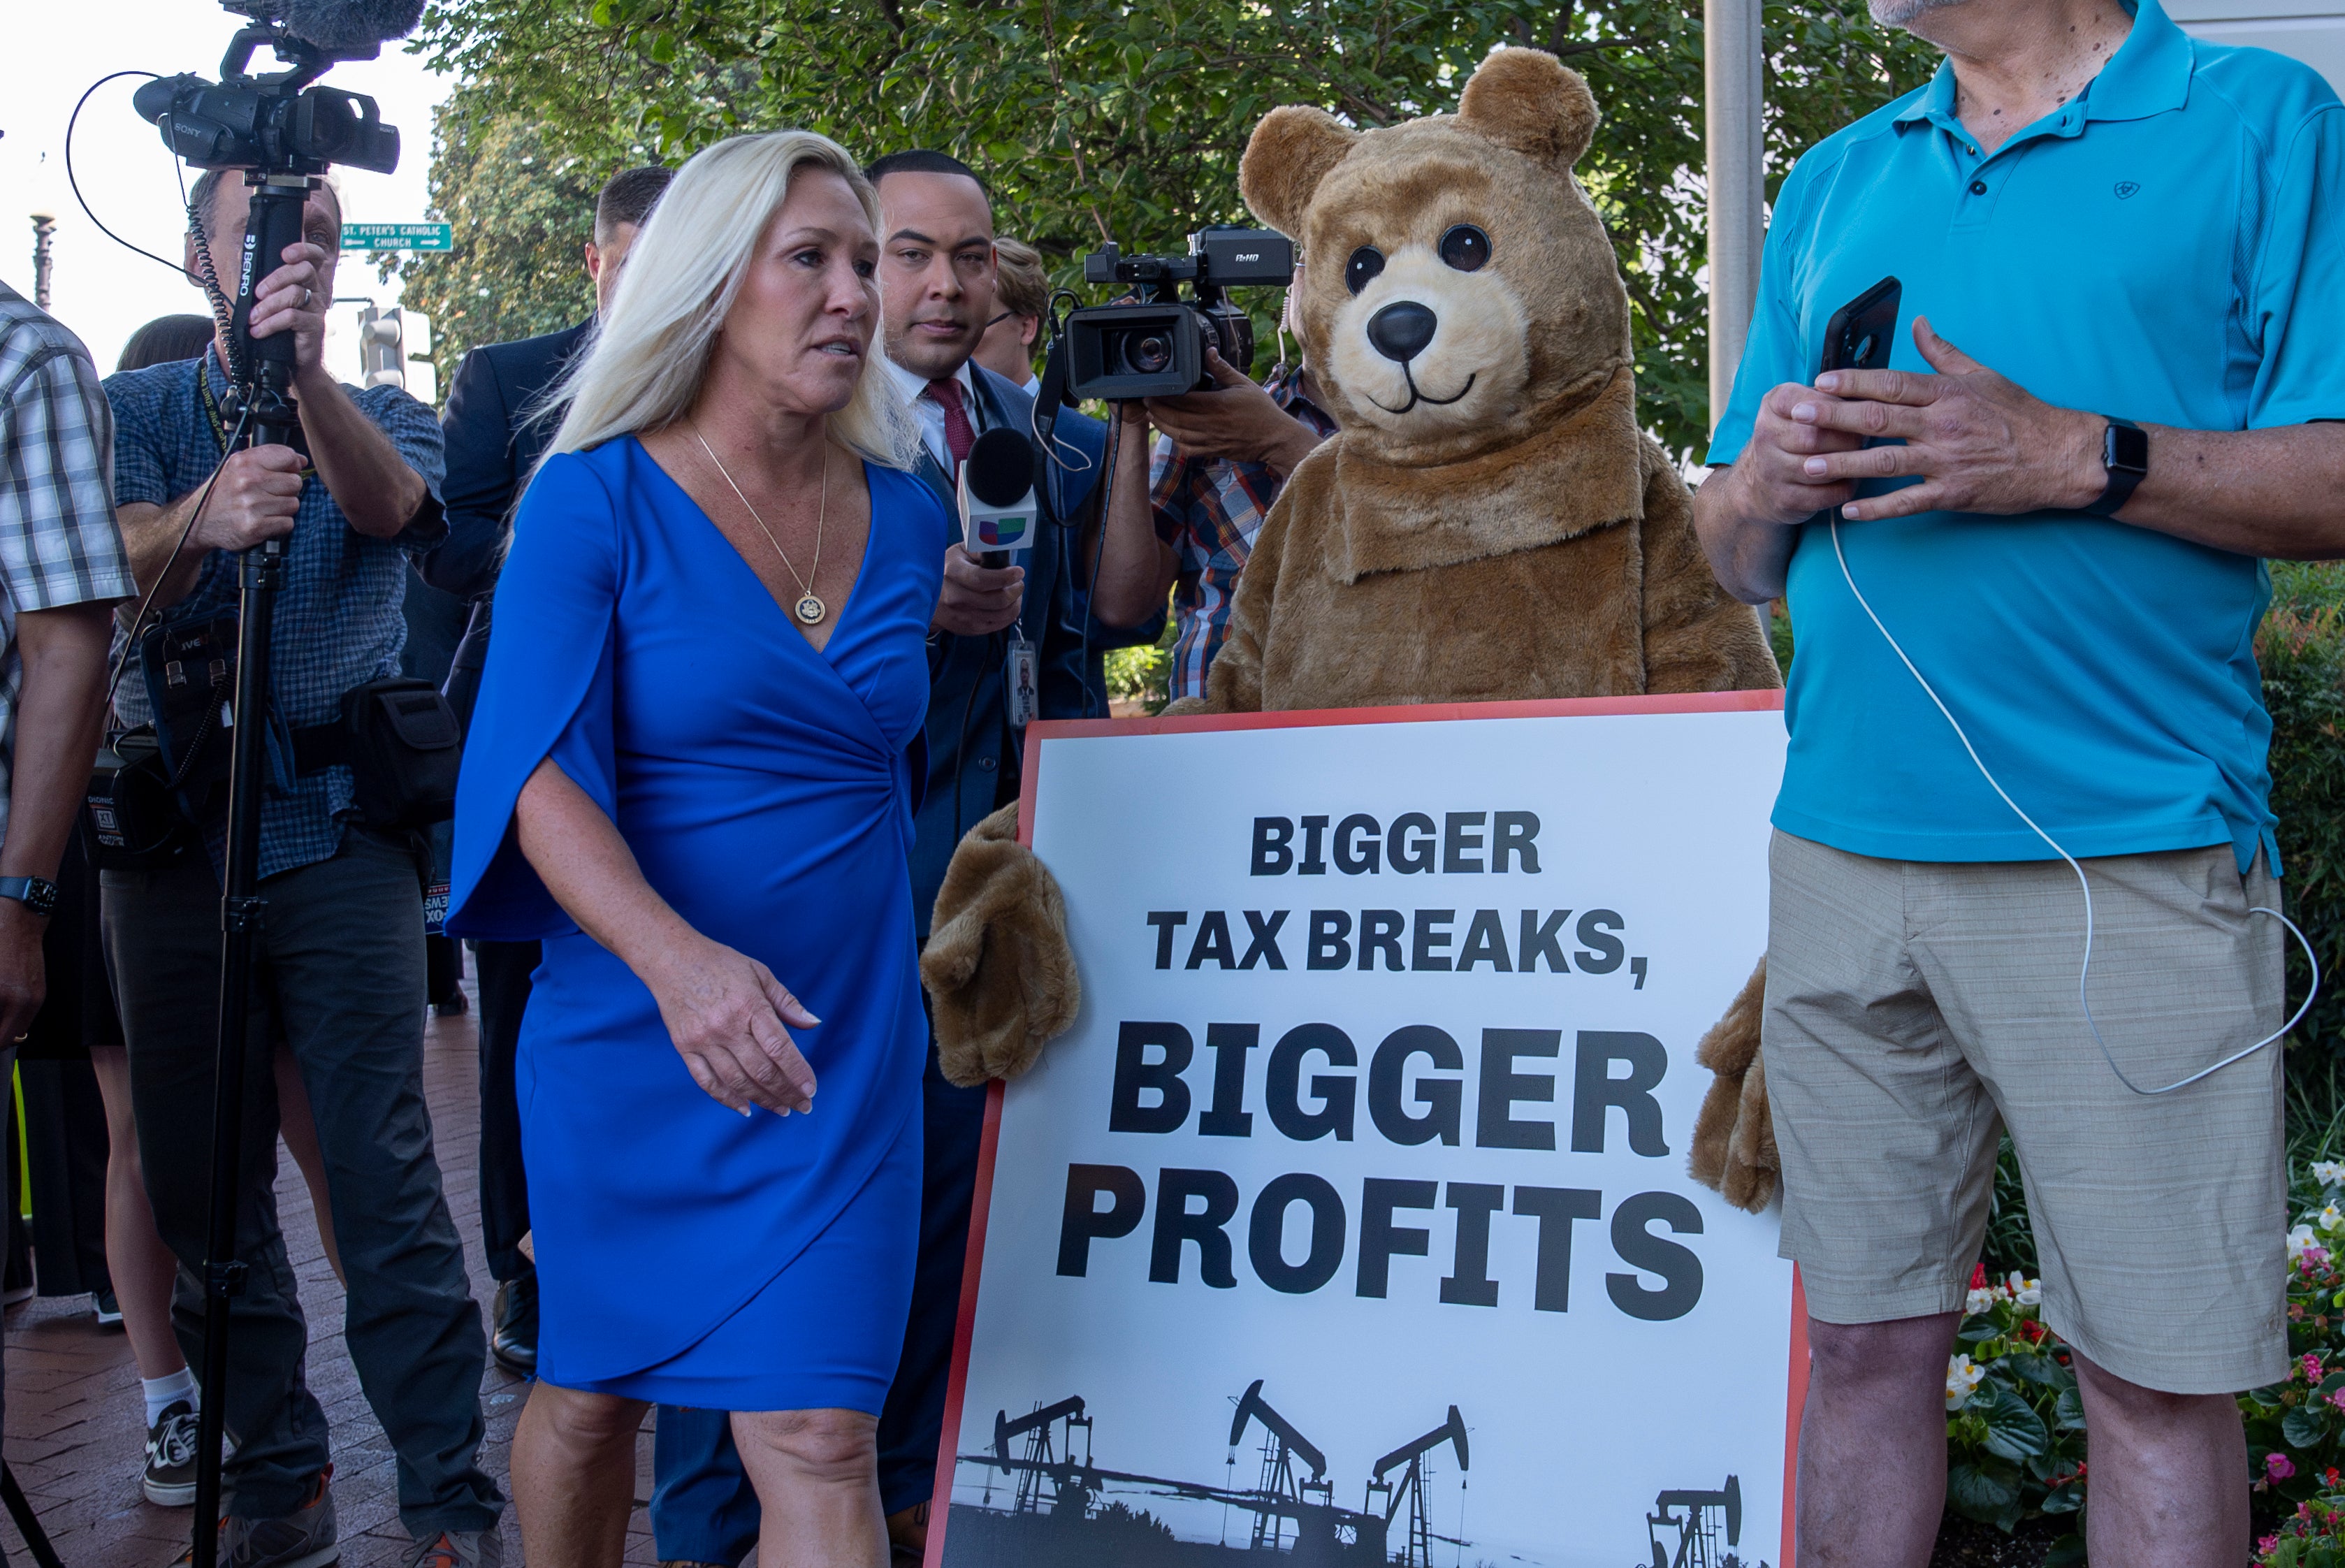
column 687, row 777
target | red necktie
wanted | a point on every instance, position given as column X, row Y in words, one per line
column 959, row 434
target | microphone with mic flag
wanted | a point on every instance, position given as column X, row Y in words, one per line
column 998, row 504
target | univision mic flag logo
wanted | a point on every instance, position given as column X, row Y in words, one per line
column 1001, row 533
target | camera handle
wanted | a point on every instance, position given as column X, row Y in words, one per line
column 264, row 386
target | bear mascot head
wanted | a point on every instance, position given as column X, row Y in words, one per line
column 1488, row 524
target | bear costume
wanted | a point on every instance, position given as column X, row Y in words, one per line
column 1489, row 522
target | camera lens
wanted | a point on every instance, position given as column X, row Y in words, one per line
column 1150, row 354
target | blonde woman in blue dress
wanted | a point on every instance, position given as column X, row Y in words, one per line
column 687, row 777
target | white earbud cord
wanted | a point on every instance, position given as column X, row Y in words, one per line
column 2084, row 974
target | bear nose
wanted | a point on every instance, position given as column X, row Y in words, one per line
column 1402, row 329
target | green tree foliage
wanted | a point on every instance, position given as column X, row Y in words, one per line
column 2301, row 649
column 1124, row 119
column 523, row 208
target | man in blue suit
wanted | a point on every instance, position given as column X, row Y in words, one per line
column 492, row 445
column 938, row 296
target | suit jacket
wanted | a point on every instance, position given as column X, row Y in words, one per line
column 973, row 758
column 492, row 446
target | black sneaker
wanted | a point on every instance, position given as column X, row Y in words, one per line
column 105, row 1309
column 305, row 1538
column 170, row 1478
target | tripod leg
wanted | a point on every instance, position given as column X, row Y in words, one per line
column 29, row 1523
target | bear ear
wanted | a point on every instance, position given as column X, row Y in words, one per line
column 1285, row 159
column 1529, row 101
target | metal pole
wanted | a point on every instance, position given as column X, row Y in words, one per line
column 44, row 226
column 1733, row 116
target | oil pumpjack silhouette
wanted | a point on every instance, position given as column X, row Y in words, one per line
column 1054, row 1515
column 1056, row 1486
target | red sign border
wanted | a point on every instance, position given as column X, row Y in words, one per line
column 981, row 1198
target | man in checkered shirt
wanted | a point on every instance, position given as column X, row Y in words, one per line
column 341, row 976
column 1222, row 457
column 61, row 571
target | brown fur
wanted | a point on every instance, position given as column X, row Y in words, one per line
column 1001, row 981
column 1493, row 525
column 1734, row 1137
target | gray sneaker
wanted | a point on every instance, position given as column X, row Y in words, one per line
column 305, row 1538
column 457, row 1549
column 170, row 1481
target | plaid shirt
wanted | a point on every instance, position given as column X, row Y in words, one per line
column 339, row 620
column 1209, row 509
column 58, row 542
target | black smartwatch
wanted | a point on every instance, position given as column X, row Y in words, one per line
column 2125, row 452
column 35, row 893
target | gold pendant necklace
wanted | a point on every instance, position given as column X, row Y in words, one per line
column 809, row 609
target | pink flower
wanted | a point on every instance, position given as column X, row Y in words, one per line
column 2278, row 1466
column 2264, row 1547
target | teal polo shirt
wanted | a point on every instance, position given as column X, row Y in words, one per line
column 2169, row 246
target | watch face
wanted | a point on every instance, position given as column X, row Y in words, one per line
column 36, row 893
column 2128, row 449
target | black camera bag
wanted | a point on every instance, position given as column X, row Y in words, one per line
column 129, row 820
column 189, row 667
column 403, row 746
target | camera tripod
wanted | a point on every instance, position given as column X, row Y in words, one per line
column 262, row 382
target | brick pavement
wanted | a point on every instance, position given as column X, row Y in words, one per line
column 75, row 1427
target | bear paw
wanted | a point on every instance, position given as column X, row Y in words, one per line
column 1734, row 1135
column 1000, row 977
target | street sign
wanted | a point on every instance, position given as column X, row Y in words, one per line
column 399, row 236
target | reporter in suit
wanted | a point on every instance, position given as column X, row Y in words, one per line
column 494, row 441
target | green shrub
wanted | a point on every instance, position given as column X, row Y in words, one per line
column 2015, row 1422
column 2301, row 649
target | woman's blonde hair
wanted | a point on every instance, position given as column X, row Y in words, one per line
column 643, row 366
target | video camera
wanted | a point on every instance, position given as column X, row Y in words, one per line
column 284, row 133
column 279, row 123
column 1155, row 347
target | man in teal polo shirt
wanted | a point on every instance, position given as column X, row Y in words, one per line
column 2139, row 242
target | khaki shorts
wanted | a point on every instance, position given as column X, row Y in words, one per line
column 1915, row 1009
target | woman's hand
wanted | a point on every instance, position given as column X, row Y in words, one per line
column 725, row 1012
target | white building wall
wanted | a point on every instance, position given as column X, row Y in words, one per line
column 2312, row 31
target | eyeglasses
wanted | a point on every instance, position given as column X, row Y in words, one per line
column 996, row 320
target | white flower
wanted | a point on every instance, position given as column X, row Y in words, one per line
column 1961, row 1377
column 2027, row 1292
column 2298, row 1240
column 1979, row 1300
column 2329, row 1173
column 2330, row 1218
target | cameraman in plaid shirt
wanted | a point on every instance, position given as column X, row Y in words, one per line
column 340, row 971
column 1222, row 457
column 62, row 569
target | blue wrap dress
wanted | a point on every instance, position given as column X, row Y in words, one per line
column 686, row 1254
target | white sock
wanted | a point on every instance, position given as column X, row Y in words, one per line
column 162, row 1393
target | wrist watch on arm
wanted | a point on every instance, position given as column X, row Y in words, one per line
column 37, row 894
column 2124, row 453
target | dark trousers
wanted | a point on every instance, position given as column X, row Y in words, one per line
column 341, row 980
column 503, row 969
column 66, row 1145
column 911, row 1423
column 703, row 1510
column 444, row 970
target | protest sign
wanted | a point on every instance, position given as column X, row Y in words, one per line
column 1351, row 1220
